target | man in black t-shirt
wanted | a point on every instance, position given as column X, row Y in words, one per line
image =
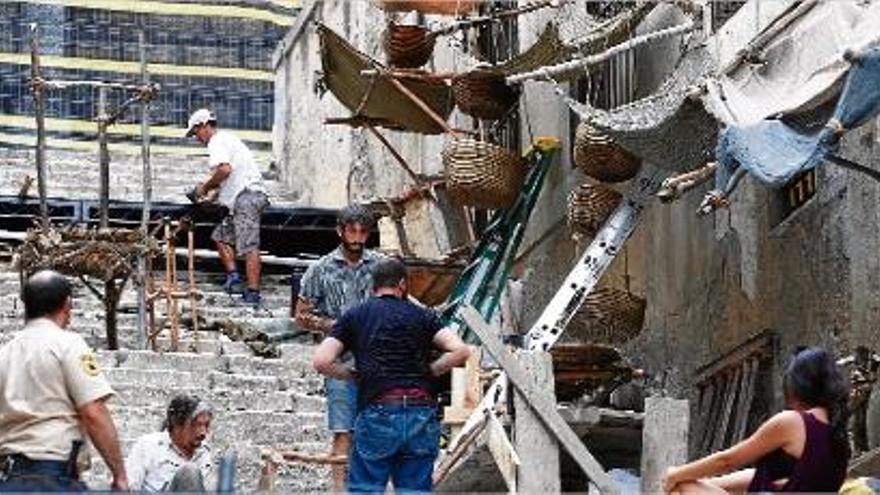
column 396, row 432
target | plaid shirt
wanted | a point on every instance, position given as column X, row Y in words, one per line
column 333, row 286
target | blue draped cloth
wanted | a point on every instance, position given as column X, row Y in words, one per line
column 774, row 152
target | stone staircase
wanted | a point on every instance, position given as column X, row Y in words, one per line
column 258, row 402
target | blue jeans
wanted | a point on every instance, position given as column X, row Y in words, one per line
column 341, row 405
column 41, row 476
column 394, row 442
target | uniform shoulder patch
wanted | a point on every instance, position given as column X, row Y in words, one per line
column 89, row 363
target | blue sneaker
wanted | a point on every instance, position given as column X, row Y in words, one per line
column 251, row 296
column 234, row 284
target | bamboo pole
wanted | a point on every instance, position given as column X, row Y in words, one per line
column 103, row 160
column 147, row 198
column 423, row 106
column 39, row 113
column 554, row 70
column 409, row 171
column 191, row 267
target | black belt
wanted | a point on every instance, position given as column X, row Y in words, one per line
column 18, row 464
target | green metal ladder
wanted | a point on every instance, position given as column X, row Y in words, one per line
column 482, row 282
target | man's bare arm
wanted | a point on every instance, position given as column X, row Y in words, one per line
column 306, row 318
column 456, row 352
column 221, row 173
column 325, row 357
column 99, row 425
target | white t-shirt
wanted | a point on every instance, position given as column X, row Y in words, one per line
column 224, row 147
column 46, row 373
column 154, row 460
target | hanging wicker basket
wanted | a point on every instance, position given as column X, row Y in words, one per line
column 608, row 316
column 408, row 47
column 441, row 7
column 481, row 174
column 589, row 206
column 598, row 156
column 483, row 94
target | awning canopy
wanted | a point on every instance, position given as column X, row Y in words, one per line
column 375, row 98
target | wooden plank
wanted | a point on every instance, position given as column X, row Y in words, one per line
column 727, row 410
column 714, row 412
column 703, row 410
column 503, row 452
column 744, row 405
column 468, row 437
column 544, row 406
column 759, row 345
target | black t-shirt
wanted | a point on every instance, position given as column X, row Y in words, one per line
column 391, row 340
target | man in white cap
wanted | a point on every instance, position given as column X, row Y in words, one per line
column 241, row 190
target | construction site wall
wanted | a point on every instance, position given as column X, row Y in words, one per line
column 809, row 274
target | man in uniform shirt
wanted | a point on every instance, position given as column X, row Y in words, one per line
column 397, row 433
column 175, row 459
column 241, row 190
column 337, row 282
column 52, row 391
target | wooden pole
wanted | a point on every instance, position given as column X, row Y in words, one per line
column 554, row 70
column 39, row 112
column 409, row 171
column 147, row 198
column 423, row 106
column 111, row 302
column 191, row 268
column 103, row 159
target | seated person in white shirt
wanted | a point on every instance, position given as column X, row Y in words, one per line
column 175, row 459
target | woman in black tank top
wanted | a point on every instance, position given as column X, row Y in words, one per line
column 803, row 449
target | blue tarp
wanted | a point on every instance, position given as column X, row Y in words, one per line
column 774, row 152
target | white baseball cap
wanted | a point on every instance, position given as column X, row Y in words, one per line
column 199, row 117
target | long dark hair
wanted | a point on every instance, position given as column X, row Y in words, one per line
column 813, row 378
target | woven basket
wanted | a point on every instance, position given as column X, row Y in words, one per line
column 589, row 206
column 408, row 47
column 482, row 175
column 608, row 316
column 441, row 7
column 601, row 158
column 483, row 94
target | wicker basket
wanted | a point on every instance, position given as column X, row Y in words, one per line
column 408, row 47
column 589, row 206
column 608, row 316
column 483, row 94
column 601, row 158
column 441, row 7
column 481, row 174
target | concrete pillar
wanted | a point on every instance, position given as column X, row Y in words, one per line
column 537, row 448
column 664, row 439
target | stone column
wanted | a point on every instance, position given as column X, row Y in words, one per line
column 664, row 439
column 536, row 447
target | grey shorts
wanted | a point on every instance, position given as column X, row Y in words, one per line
column 241, row 228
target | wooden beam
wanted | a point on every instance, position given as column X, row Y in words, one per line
column 39, row 93
column 503, row 452
column 422, row 105
column 542, row 405
column 727, row 409
column 409, row 171
column 444, row 467
column 747, row 395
